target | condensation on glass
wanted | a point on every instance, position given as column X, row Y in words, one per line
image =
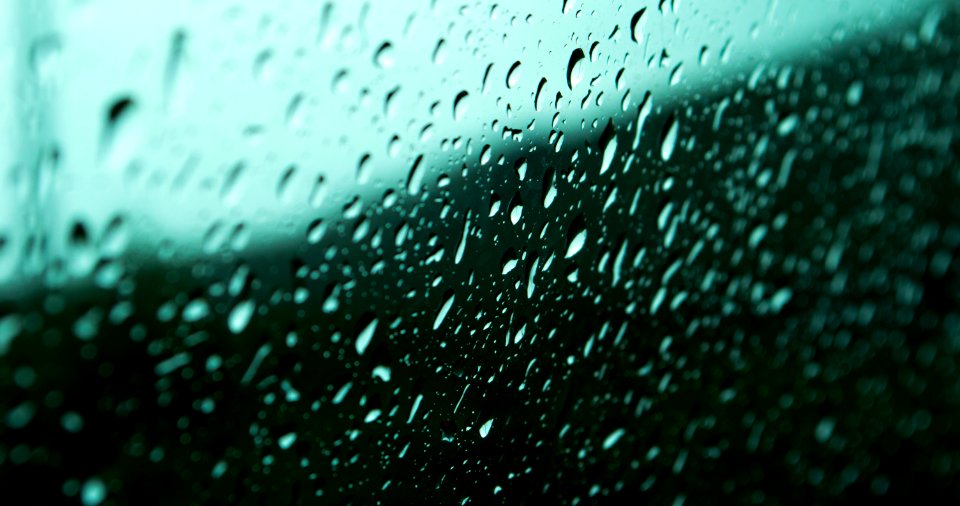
column 677, row 252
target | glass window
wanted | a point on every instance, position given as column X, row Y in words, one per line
column 669, row 252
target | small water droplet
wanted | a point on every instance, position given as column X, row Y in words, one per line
column 263, row 66
column 485, row 428
column 513, row 75
column 240, row 316
column 824, row 429
column 171, row 78
column 608, row 142
column 319, row 192
column 636, row 25
column 485, row 154
column 538, row 97
column 295, row 113
column 284, row 184
column 460, row 105
column 372, row 416
column 45, row 58
column 521, row 168
column 516, row 208
column 444, row 309
column 231, row 190
column 613, row 438
column 509, row 261
column 440, row 53
column 494, row 204
column 549, row 189
column 576, row 237
column 94, row 492
column 415, row 179
column 363, row 169
column 575, row 70
column 382, row 372
column 788, row 124
column 121, row 135
column 462, row 246
column 287, row 440
column 668, row 138
column 383, row 57
column 486, row 79
column 855, row 93
column 219, row 469
column 365, row 336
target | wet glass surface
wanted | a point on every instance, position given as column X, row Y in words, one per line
column 675, row 252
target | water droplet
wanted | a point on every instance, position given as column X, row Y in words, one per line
column 295, row 113
column 45, row 58
column 440, row 53
column 363, row 169
column 319, row 192
column 72, row 422
column 539, row 96
column 485, row 155
column 413, row 409
column 613, row 438
column 284, row 184
column 94, row 492
column 531, row 275
column 171, row 78
column 230, row 190
column 643, row 112
column 824, row 429
column 460, row 105
column 608, row 141
column 263, row 66
column 509, row 261
column 576, row 237
column 121, row 133
column 516, row 208
column 704, row 57
column 788, row 124
column 287, row 440
column 415, row 179
column 676, row 74
column 444, row 309
column 219, row 469
column 365, row 335
column 382, row 372
column 575, row 70
column 549, row 189
column 240, row 316
column 383, row 57
column 494, row 204
column 636, row 25
column 462, row 246
column 315, row 231
column 855, row 93
column 486, row 79
column 342, row 393
column 196, row 310
column 513, row 75
column 485, row 428
column 332, row 300
column 521, row 168
column 668, row 138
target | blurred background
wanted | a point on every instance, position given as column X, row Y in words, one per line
column 581, row 252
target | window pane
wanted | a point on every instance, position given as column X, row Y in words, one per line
column 668, row 251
